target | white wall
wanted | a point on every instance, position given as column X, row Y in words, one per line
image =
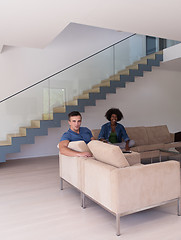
column 151, row 100
column 172, row 53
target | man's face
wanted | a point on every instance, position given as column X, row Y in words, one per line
column 75, row 122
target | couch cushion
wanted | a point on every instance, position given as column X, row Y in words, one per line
column 79, row 146
column 172, row 145
column 133, row 158
column 108, row 153
column 158, row 134
column 138, row 134
column 150, row 147
column 95, row 133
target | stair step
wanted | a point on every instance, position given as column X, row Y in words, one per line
column 61, row 109
column 93, row 90
column 72, row 103
column 115, row 77
column 106, row 80
column 35, row 123
column 10, row 136
column 151, row 56
column 83, row 96
column 47, row 116
column 103, row 84
column 143, row 61
column 134, row 66
column 5, row 143
column 124, row 72
column 22, row 130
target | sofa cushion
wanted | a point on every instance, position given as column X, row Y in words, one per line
column 79, row 146
column 108, row 153
column 172, row 145
column 138, row 134
column 133, row 158
column 95, row 133
column 158, row 134
column 150, row 147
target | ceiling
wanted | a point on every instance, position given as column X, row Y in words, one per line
column 35, row 23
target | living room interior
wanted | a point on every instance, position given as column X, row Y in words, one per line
column 152, row 100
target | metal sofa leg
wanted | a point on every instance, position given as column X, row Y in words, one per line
column 82, row 196
column 61, row 183
column 178, row 207
column 118, row 224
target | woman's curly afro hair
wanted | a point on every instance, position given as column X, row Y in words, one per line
column 115, row 111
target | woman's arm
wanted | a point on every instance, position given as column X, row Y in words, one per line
column 102, row 134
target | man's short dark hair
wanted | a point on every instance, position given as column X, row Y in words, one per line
column 74, row 113
column 115, row 111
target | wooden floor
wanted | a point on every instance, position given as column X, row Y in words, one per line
column 32, row 207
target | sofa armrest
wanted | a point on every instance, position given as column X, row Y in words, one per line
column 133, row 158
column 97, row 182
column 143, row 186
column 172, row 145
column 172, row 137
column 70, row 169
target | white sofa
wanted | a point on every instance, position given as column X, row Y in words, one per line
column 122, row 188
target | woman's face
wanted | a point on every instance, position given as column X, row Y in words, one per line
column 114, row 119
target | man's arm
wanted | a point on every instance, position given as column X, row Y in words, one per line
column 63, row 147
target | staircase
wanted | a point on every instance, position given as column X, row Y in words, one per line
column 27, row 135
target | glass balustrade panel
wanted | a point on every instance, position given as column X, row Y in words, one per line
column 129, row 51
column 19, row 110
column 82, row 77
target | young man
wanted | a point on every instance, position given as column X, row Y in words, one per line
column 75, row 133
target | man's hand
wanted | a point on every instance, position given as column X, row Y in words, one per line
column 84, row 154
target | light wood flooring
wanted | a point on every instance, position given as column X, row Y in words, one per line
column 32, row 207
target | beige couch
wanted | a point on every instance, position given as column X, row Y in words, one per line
column 148, row 140
column 119, row 185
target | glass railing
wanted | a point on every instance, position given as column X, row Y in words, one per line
column 52, row 94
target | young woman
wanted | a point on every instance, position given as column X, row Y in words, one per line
column 114, row 132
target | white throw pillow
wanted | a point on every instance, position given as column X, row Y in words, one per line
column 108, row 153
